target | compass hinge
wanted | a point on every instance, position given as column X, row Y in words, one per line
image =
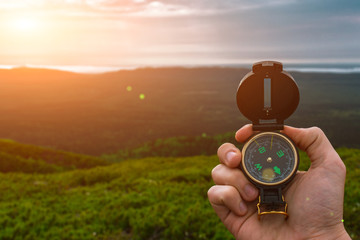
column 267, row 127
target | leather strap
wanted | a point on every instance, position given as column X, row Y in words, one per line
column 271, row 201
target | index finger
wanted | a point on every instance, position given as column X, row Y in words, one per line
column 244, row 133
column 228, row 153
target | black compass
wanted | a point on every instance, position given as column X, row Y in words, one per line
column 270, row 159
column 267, row 96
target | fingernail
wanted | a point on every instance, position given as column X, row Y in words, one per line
column 242, row 207
column 230, row 155
column 250, row 190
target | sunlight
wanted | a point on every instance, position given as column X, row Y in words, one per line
column 25, row 24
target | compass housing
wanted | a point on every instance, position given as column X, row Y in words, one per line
column 286, row 160
column 267, row 96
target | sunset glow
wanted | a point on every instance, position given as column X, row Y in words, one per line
column 144, row 32
column 25, row 24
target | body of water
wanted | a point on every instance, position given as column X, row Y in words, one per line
column 316, row 68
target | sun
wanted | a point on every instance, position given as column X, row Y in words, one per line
column 25, row 24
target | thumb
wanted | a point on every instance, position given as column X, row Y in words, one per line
column 317, row 146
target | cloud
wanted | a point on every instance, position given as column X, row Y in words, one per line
column 146, row 8
column 207, row 29
column 141, row 8
column 159, row 9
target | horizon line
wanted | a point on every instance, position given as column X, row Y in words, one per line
column 316, row 67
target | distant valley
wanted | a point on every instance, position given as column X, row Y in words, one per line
column 102, row 113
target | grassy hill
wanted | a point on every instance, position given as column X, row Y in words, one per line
column 17, row 157
column 149, row 198
column 97, row 114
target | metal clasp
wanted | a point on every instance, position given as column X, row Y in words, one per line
column 264, row 210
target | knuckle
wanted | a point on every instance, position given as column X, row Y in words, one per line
column 316, row 136
column 211, row 192
column 223, row 147
column 219, row 194
column 317, row 131
column 235, row 178
column 215, row 171
column 228, row 192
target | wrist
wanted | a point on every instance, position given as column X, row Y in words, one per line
column 344, row 236
column 338, row 234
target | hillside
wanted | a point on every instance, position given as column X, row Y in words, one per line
column 149, row 198
column 97, row 113
column 17, row 157
column 183, row 146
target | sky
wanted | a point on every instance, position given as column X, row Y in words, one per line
column 178, row 32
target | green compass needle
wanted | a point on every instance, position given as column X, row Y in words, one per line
column 277, row 170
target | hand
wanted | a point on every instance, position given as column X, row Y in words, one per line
column 315, row 197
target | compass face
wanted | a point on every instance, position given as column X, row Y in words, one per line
column 269, row 158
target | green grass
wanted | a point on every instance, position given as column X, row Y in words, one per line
column 149, row 198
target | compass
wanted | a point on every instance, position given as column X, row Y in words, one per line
column 270, row 159
column 267, row 96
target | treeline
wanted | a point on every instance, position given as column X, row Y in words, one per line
column 182, row 146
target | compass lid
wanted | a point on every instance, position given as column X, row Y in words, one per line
column 267, row 96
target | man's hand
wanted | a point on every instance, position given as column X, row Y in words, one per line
column 315, row 197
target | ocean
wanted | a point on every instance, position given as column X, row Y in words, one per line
column 342, row 68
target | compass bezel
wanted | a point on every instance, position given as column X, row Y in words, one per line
column 283, row 181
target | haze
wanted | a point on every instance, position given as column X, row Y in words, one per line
column 177, row 32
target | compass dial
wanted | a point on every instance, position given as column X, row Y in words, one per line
column 269, row 158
